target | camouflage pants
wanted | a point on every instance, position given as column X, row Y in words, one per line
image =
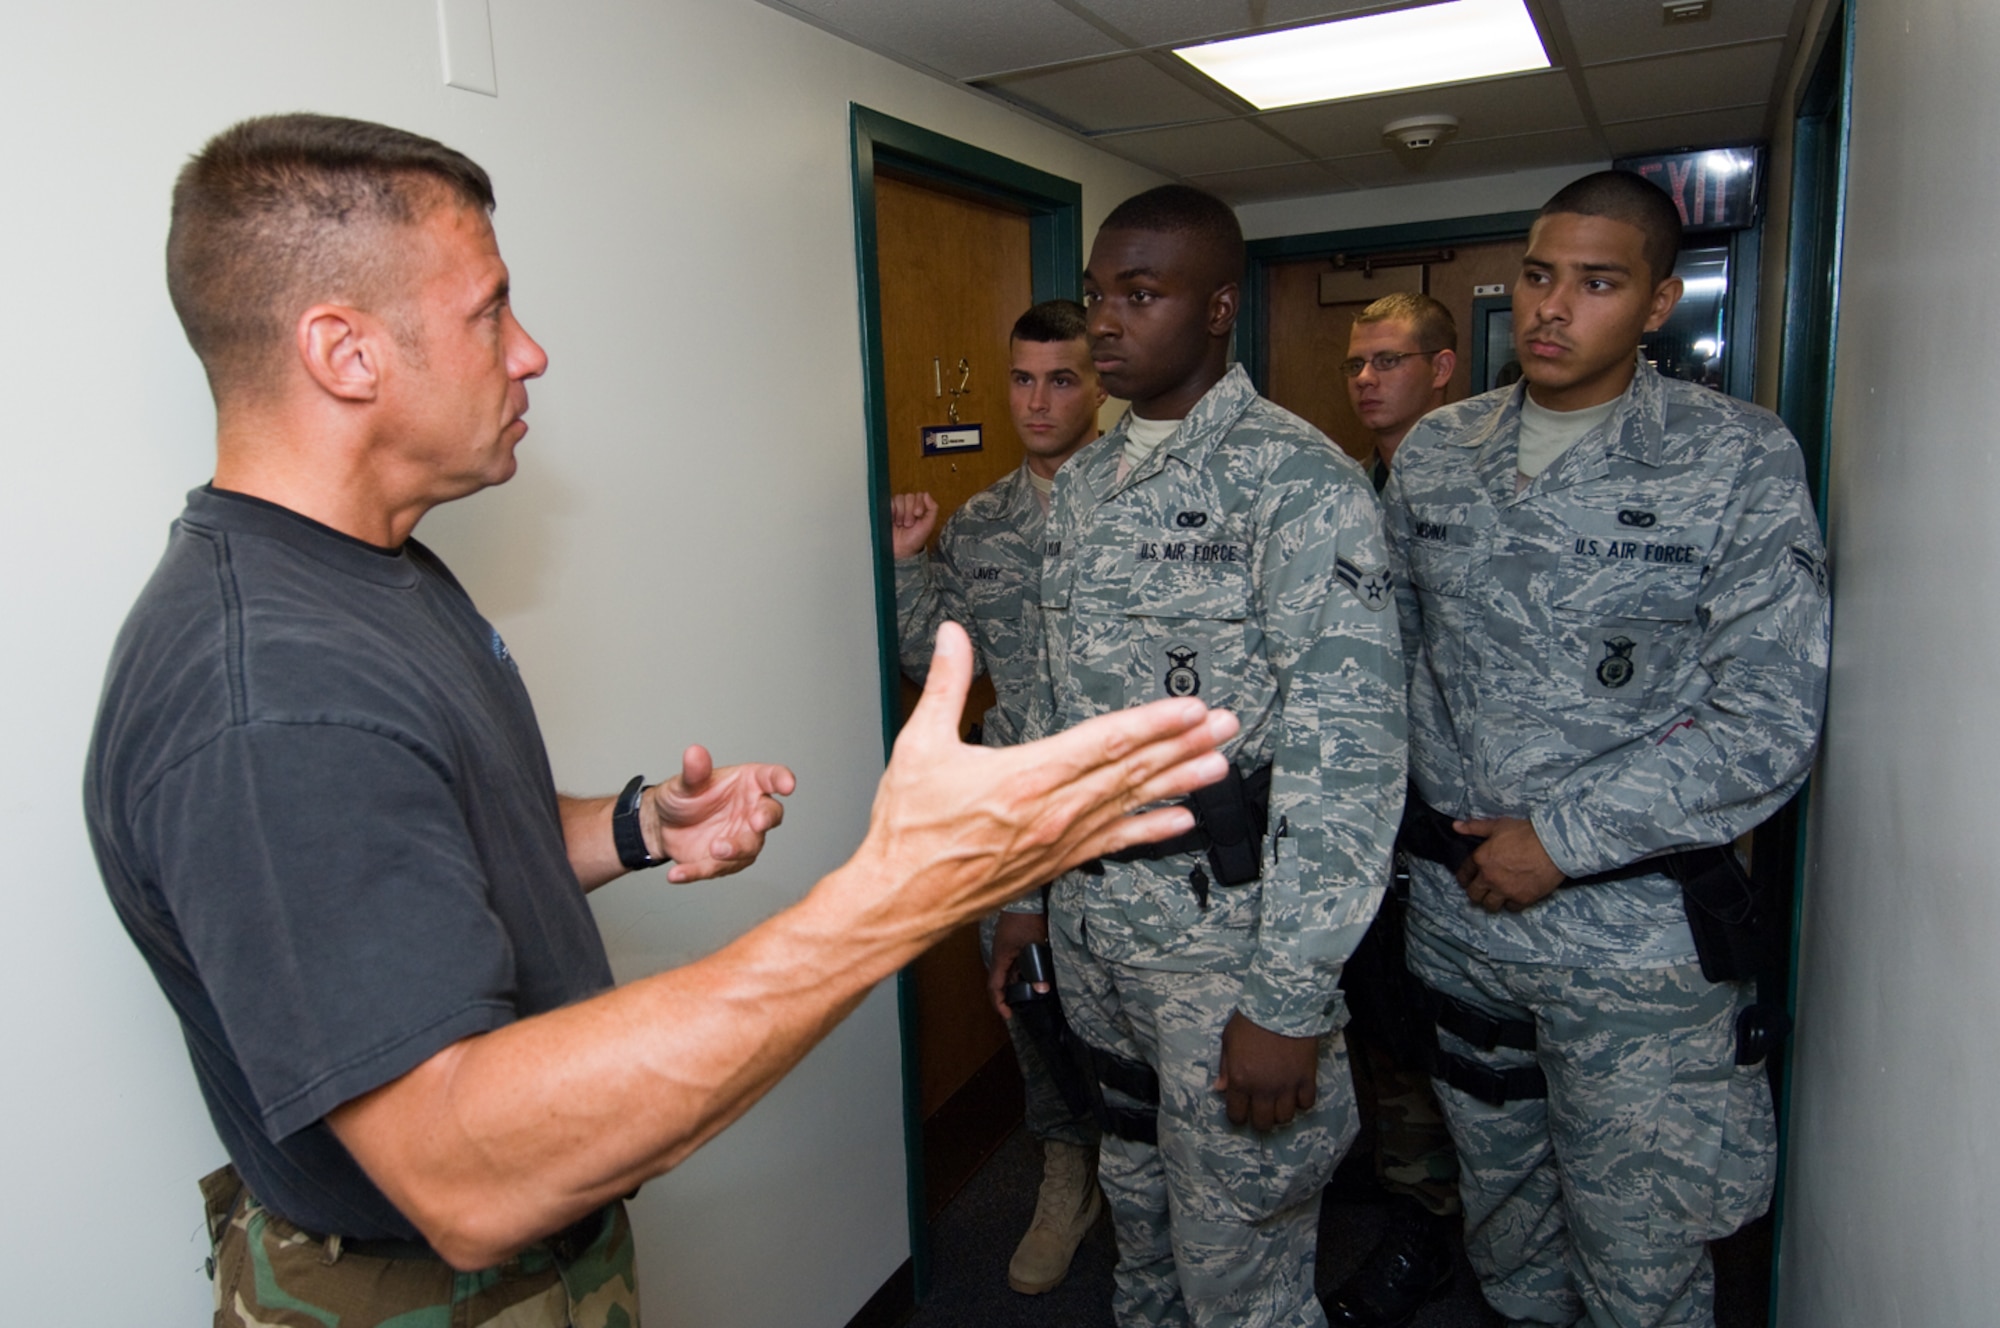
column 1413, row 1153
column 1218, row 1224
column 270, row 1274
column 1046, row 1115
column 1597, row 1202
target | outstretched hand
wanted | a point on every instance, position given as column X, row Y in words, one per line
column 1266, row 1078
column 958, row 830
column 1511, row 870
column 712, row 822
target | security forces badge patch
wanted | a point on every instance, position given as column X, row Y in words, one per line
column 1615, row 658
column 1181, row 679
column 1370, row 585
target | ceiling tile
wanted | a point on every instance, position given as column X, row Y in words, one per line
column 1183, row 22
column 1531, row 103
column 1458, row 159
column 1226, row 145
column 1677, row 84
column 1127, row 93
column 1269, row 182
column 1621, row 29
column 964, row 41
column 1705, row 129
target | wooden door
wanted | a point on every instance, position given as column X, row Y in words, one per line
column 956, row 271
column 1308, row 340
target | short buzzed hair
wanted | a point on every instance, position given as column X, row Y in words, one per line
column 1183, row 208
column 1436, row 329
column 279, row 212
column 1051, row 320
column 1634, row 200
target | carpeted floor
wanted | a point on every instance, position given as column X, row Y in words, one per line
column 975, row 1235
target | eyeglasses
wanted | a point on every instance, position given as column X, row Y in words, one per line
column 1383, row 361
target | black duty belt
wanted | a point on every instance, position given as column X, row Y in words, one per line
column 1427, row 833
column 1733, row 934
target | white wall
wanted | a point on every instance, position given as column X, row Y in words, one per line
column 1426, row 200
column 1889, row 1214
column 684, row 555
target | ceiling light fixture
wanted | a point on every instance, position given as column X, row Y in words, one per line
column 1360, row 57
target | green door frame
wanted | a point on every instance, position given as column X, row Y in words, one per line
column 1821, row 117
column 1055, row 241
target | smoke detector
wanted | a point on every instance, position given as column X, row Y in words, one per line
column 1419, row 132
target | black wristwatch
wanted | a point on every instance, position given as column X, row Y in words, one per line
column 625, row 831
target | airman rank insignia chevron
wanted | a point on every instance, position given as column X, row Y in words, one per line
column 1370, row 585
column 1812, row 566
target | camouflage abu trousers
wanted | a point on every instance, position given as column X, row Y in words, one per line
column 270, row 1274
column 1218, row 1225
column 1596, row 1203
column 1046, row 1114
column 1413, row 1153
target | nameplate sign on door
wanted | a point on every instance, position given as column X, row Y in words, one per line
column 942, row 438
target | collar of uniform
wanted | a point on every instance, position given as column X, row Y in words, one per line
column 1499, row 422
column 1017, row 490
column 1635, row 430
column 1203, row 427
column 1638, row 428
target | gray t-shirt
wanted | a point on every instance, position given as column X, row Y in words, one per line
column 322, row 809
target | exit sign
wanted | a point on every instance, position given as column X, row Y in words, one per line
column 1715, row 190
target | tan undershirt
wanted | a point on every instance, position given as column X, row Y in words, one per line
column 1547, row 434
column 1045, row 489
column 1142, row 439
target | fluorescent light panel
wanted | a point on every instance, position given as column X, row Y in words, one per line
column 1360, row 57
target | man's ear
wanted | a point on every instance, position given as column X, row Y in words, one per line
column 1665, row 296
column 343, row 349
column 1443, row 365
column 1222, row 309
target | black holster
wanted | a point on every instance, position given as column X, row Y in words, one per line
column 1230, row 818
column 1080, row 1071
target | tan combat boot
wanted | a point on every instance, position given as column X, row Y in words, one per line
column 1068, row 1204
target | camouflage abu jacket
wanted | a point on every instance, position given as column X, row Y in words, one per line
column 1242, row 562
column 985, row 576
column 1631, row 651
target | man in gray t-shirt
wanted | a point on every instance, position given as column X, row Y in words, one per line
column 321, row 805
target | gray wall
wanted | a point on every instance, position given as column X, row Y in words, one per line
column 683, row 557
column 1889, row 1205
